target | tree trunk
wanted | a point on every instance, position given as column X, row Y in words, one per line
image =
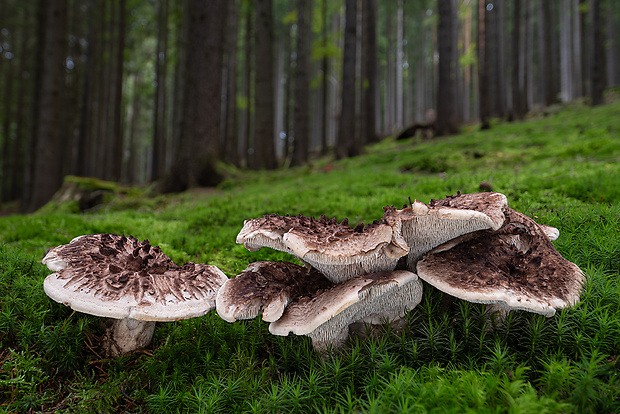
column 116, row 164
column 483, row 77
column 566, row 51
column 598, row 54
column 231, row 143
column 158, row 160
column 247, row 88
column 346, row 134
column 369, row 71
column 200, row 126
column 264, row 140
column 8, row 67
column 325, row 79
column 302, row 81
column 46, row 178
column 517, row 64
column 134, row 115
column 445, row 123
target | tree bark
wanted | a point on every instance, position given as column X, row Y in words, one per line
column 158, row 160
column 302, row 81
column 346, row 134
column 517, row 64
column 446, row 123
column 598, row 54
column 264, row 140
column 201, row 118
column 369, row 71
column 483, row 77
column 46, row 178
column 231, row 142
column 116, row 164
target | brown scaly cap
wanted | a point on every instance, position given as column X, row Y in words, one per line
column 267, row 287
column 114, row 276
column 335, row 249
column 424, row 227
column 516, row 267
column 373, row 298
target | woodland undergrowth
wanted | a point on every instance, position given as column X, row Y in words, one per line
column 563, row 170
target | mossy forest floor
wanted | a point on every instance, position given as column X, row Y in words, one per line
column 563, row 169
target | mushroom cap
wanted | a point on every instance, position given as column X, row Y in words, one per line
column 114, row 276
column 335, row 249
column 516, row 267
column 266, row 287
column 325, row 315
column 424, row 227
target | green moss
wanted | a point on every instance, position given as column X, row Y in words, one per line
column 561, row 168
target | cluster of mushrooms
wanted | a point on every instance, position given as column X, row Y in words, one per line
column 471, row 246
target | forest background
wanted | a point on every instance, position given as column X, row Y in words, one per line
column 160, row 91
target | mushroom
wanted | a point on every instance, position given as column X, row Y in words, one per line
column 132, row 283
column 372, row 298
column 267, row 288
column 424, row 227
column 514, row 268
column 336, row 250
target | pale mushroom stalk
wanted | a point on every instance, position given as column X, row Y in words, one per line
column 131, row 283
column 372, row 298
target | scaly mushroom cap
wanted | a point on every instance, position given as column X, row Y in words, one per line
column 119, row 277
column 335, row 249
column 266, row 287
column 516, row 267
column 373, row 298
column 424, row 227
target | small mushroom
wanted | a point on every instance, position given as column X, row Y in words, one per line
column 131, row 282
column 515, row 268
column 424, row 227
column 372, row 298
column 335, row 249
column 267, row 288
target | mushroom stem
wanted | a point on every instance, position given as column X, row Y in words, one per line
column 126, row 335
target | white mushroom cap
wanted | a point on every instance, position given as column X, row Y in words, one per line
column 375, row 298
column 267, row 288
column 336, row 250
column 114, row 276
column 516, row 267
column 425, row 227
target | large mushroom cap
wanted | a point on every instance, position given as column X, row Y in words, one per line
column 516, row 267
column 424, row 227
column 114, row 276
column 373, row 298
column 335, row 249
column 266, row 287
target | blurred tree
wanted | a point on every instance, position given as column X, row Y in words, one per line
column 302, row 84
column 264, row 140
column 369, row 72
column 598, row 54
column 46, row 143
column 347, row 139
column 231, row 143
column 518, row 64
column 446, row 90
column 158, row 160
column 200, row 127
column 483, row 77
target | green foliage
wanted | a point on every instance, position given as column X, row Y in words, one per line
column 560, row 169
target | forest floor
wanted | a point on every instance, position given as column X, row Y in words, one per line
column 563, row 169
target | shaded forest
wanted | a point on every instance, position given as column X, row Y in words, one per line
column 161, row 91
